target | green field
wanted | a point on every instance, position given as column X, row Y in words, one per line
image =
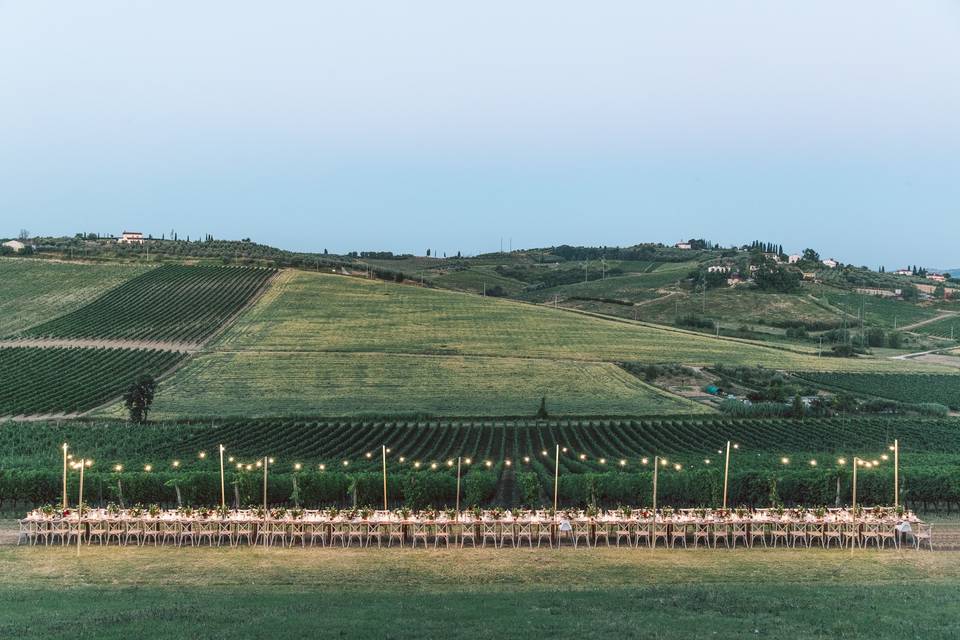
column 318, row 344
column 942, row 389
column 739, row 306
column 947, row 327
column 34, row 291
column 886, row 313
column 61, row 380
column 172, row 302
column 127, row 593
column 255, row 383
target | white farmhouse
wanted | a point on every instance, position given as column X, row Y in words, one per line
column 130, row 237
column 830, row 263
column 794, row 258
column 16, row 245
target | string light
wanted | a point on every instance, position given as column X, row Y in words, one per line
column 841, row 461
column 270, row 460
column 449, row 463
column 402, row 458
column 468, row 461
column 813, row 463
column 230, row 459
column 526, row 459
column 433, row 465
column 736, row 446
column 706, row 461
column 388, row 449
column 677, row 467
column 323, row 467
column 884, row 457
column 663, row 462
column 250, row 467
column 175, row 463
column 240, row 465
column 416, row 464
column 202, row 454
column 583, row 456
column 369, row 455
column 148, row 468
column 346, row 463
column 507, row 462
column 623, row 463
column 88, row 462
column 118, row 468
column 297, row 466
column 488, row 463
column 644, row 460
column 259, row 463
column 603, row 461
column 544, row 453
column 785, row 460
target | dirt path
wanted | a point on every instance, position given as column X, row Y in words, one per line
column 157, row 345
column 940, row 316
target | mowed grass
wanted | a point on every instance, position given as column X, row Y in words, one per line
column 339, row 384
column 34, row 291
column 256, row 593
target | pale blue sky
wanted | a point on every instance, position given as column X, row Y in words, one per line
column 402, row 126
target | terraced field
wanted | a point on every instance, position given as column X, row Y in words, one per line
column 169, row 303
column 34, row 291
column 317, row 344
column 52, row 380
column 942, row 389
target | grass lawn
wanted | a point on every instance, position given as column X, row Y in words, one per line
column 221, row 593
column 34, row 291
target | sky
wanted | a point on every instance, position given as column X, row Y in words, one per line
column 411, row 125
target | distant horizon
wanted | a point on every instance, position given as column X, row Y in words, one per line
column 507, row 247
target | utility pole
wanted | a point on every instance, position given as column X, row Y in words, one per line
column 585, row 263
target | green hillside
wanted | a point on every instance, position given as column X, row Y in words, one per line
column 317, row 344
column 34, row 291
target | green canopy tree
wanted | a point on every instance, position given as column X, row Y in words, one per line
column 139, row 397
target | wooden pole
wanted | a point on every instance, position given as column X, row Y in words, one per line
column 223, row 493
column 726, row 476
column 65, row 447
column 556, row 481
column 265, row 463
column 656, row 466
column 854, row 501
column 80, row 508
column 458, row 487
column 384, row 448
column 896, row 474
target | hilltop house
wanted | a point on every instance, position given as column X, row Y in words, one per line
column 830, row 263
column 682, row 245
column 717, row 268
column 16, row 245
column 936, row 277
column 903, row 272
column 131, row 237
column 794, row 258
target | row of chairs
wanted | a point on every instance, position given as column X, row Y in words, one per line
column 497, row 535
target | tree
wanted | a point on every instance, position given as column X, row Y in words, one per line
column 24, row 235
column 139, row 397
column 809, row 255
column 428, row 253
column 542, row 411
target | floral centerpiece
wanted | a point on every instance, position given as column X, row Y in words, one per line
column 667, row 512
column 592, row 511
column 451, row 514
column 741, row 512
column 297, row 513
column 278, row 513
column 365, row 513
column 136, row 510
column 153, row 510
column 497, row 513
column 700, row 513
column 820, row 512
column 222, row 511
column 333, row 512
column 625, row 512
column 113, row 509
